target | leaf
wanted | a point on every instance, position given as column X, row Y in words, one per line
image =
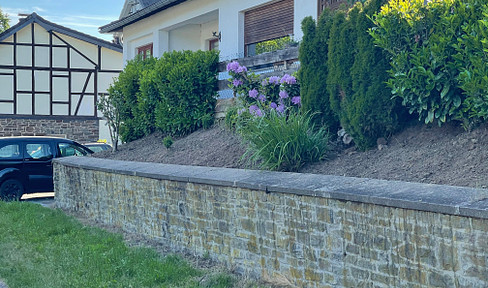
column 430, row 117
column 445, row 90
column 457, row 101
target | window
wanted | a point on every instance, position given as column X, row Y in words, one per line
column 213, row 44
column 146, row 51
column 68, row 149
column 39, row 151
column 10, row 151
column 268, row 22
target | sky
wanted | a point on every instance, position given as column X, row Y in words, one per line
column 81, row 15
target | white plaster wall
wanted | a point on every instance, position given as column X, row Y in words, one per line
column 130, row 46
column 185, row 38
column 230, row 24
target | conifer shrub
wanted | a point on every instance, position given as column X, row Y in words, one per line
column 313, row 55
column 369, row 113
column 355, row 73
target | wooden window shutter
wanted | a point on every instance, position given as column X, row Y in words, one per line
column 269, row 22
column 331, row 4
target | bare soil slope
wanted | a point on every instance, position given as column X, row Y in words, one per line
column 446, row 155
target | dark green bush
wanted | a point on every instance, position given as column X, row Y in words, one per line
column 369, row 112
column 313, row 71
column 343, row 75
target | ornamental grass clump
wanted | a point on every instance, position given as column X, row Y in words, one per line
column 280, row 137
column 283, row 143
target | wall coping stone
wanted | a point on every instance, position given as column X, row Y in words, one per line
column 451, row 200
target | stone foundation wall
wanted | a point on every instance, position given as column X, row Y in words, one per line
column 313, row 230
column 81, row 129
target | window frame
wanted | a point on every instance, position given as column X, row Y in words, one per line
column 142, row 50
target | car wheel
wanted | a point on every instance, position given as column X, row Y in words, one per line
column 11, row 190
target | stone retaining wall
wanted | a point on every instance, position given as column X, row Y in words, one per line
column 81, row 129
column 313, row 230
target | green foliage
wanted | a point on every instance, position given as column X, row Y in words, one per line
column 369, row 112
column 110, row 105
column 437, row 53
column 167, row 142
column 174, row 94
column 283, row 143
column 187, row 84
column 472, row 48
column 343, row 75
column 4, row 21
column 273, row 45
column 314, row 71
column 127, row 88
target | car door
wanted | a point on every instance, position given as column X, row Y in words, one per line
column 38, row 165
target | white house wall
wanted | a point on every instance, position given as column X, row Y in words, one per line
column 230, row 23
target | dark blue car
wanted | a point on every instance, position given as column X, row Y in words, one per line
column 26, row 163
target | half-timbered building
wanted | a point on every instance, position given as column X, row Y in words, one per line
column 50, row 79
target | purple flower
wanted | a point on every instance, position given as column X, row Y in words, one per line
column 241, row 69
column 253, row 93
column 273, row 105
column 288, row 79
column 284, row 94
column 237, row 82
column 296, row 100
column 254, row 110
column 264, row 82
column 281, row 108
column 262, row 98
column 274, row 80
column 233, row 66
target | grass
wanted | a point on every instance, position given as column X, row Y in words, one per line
column 41, row 247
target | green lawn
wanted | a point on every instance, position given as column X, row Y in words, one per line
column 41, row 247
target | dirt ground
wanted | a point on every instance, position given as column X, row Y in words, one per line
column 446, row 155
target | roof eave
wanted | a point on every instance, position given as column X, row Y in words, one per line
column 49, row 26
column 117, row 26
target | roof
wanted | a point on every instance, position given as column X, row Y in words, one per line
column 49, row 26
column 157, row 6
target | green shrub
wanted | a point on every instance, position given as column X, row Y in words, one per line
column 438, row 62
column 343, row 75
column 127, row 87
column 314, row 70
column 175, row 94
column 283, row 143
column 167, row 142
column 187, row 84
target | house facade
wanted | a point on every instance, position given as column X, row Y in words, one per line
column 231, row 26
column 50, row 79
